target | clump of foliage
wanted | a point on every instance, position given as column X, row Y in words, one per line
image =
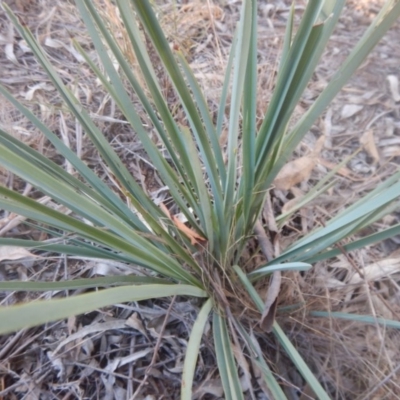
column 220, row 198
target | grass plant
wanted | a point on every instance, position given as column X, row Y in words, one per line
column 220, row 191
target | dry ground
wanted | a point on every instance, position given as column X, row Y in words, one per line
column 105, row 354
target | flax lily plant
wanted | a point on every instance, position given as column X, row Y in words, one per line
column 220, row 198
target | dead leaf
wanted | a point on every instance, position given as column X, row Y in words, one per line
column 71, row 322
column 30, row 94
column 319, row 145
column 245, row 379
column 341, row 171
column 268, row 214
column 294, row 172
column 13, row 220
column 350, row 109
column 89, row 329
column 268, row 316
column 376, row 271
column 57, row 363
column 368, row 142
column 223, row 138
column 117, row 362
column 208, row 386
column 135, row 322
column 394, row 87
column 327, row 127
column 9, row 48
column 14, row 253
column 392, row 151
column 381, row 307
column 264, row 241
column 193, row 236
column 298, row 195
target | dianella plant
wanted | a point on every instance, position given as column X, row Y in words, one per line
column 218, row 191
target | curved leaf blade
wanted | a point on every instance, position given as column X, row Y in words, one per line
column 27, row 315
column 192, row 351
column 366, row 319
column 29, row 286
column 226, row 361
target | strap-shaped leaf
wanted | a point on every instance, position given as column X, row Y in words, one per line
column 249, row 120
column 269, row 269
column 120, row 172
column 357, row 244
column 58, row 184
column 245, row 32
column 225, row 359
column 150, row 23
column 274, row 144
column 192, row 351
column 26, row 315
column 383, row 21
column 366, row 319
column 106, row 196
column 205, row 114
column 171, row 136
column 69, row 191
column 28, row 286
column 303, row 43
column 144, row 253
column 81, row 249
column 287, row 42
column 346, row 223
column 114, row 85
column 283, row 339
column 258, row 358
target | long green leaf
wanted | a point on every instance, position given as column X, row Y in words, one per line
column 70, row 249
column 225, row 359
column 207, row 215
column 249, row 119
column 298, row 361
column 171, row 136
column 116, row 88
column 383, row 21
column 285, row 80
column 287, row 42
column 106, row 197
column 225, row 89
column 366, row 319
column 29, row 286
column 35, row 313
column 273, row 143
column 205, row 114
column 245, row 32
column 269, row 269
column 258, row 358
column 118, row 169
column 365, row 241
column 54, row 181
column 283, row 339
column 75, row 246
column 192, row 351
column 344, row 224
column 57, row 183
column 145, row 253
column 150, row 22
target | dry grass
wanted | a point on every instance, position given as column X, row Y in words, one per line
column 105, row 354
